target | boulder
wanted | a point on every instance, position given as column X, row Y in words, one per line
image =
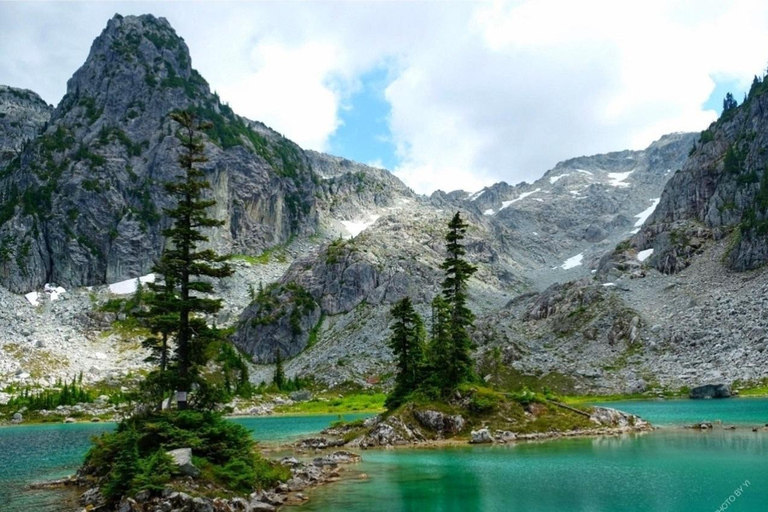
column 182, row 457
column 439, row 422
column 17, row 418
column 301, row 395
column 710, row 391
column 480, row 436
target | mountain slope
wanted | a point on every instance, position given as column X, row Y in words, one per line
column 83, row 203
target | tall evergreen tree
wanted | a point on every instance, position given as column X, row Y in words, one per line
column 407, row 342
column 439, row 347
column 729, row 103
column 279, row 377
column 183, row 263
column 459, row 364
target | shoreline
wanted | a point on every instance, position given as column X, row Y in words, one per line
column 596, row 400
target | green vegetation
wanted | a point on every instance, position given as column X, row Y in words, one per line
column 372, row 402
column 407, row 343
column 182, row 344
column 445, row 363
column 276, row 253
column 133, row 459
column 277, row 300
column 752, row 389
column 63, row 394
column 278, row 380
column 706, row 136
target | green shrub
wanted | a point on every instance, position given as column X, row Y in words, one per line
column 132, row 458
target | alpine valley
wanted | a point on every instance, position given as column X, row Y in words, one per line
column 627, row 272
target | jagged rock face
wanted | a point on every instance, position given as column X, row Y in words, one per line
column 22, row 115
column 515, row 248
column 584, row 205
column 722, row 190
column 83, row 204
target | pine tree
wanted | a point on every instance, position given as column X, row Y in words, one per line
column 279, row 378
column 161, row 318
column 407, row 343
column 439, row 348
column 460, row 366
column 183, row 262
column 729, row 103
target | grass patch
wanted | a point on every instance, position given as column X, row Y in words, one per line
column 759, row 388
column 333, row 404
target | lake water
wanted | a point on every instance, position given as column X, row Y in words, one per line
column 45, row 452
column 667, row 470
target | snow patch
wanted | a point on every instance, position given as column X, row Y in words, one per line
column 584, row 172
column 644, row 255
column 33, row 297
column 54, row 292
column 616, row 179
column 555, row 179
column 356, row 227
column 575, row 261
column 609, row 284
column 643, row 215
column 472, row 197
column 129, row 285
column 489, row 211
column 505, row 204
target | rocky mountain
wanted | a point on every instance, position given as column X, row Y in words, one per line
column 335, row 302
column 722, row 191
column 83, row 202
column 625, row 271
column 22, row 115
column 683, row 300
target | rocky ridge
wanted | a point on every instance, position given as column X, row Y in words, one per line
column 22, row 115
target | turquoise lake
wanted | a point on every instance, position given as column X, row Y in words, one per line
column 668, row 470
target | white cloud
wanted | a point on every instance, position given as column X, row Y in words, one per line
column 289, row 84
column 479, row 92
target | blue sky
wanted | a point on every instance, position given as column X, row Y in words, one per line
column 722, row 87
column 363, row 134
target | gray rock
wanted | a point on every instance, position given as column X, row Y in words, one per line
column 182, row 457
column 711, row 391
column 440, row 422
column 111, row 141
column 301, row 395
column 480, row 436
column 17, row 418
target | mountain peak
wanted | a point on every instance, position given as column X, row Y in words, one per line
column 134, row 58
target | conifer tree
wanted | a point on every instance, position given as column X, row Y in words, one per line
column 459, row 366
column 279, row 378
column 183, row 263
column 407, row 343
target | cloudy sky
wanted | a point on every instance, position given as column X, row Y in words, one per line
column 447, row 94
